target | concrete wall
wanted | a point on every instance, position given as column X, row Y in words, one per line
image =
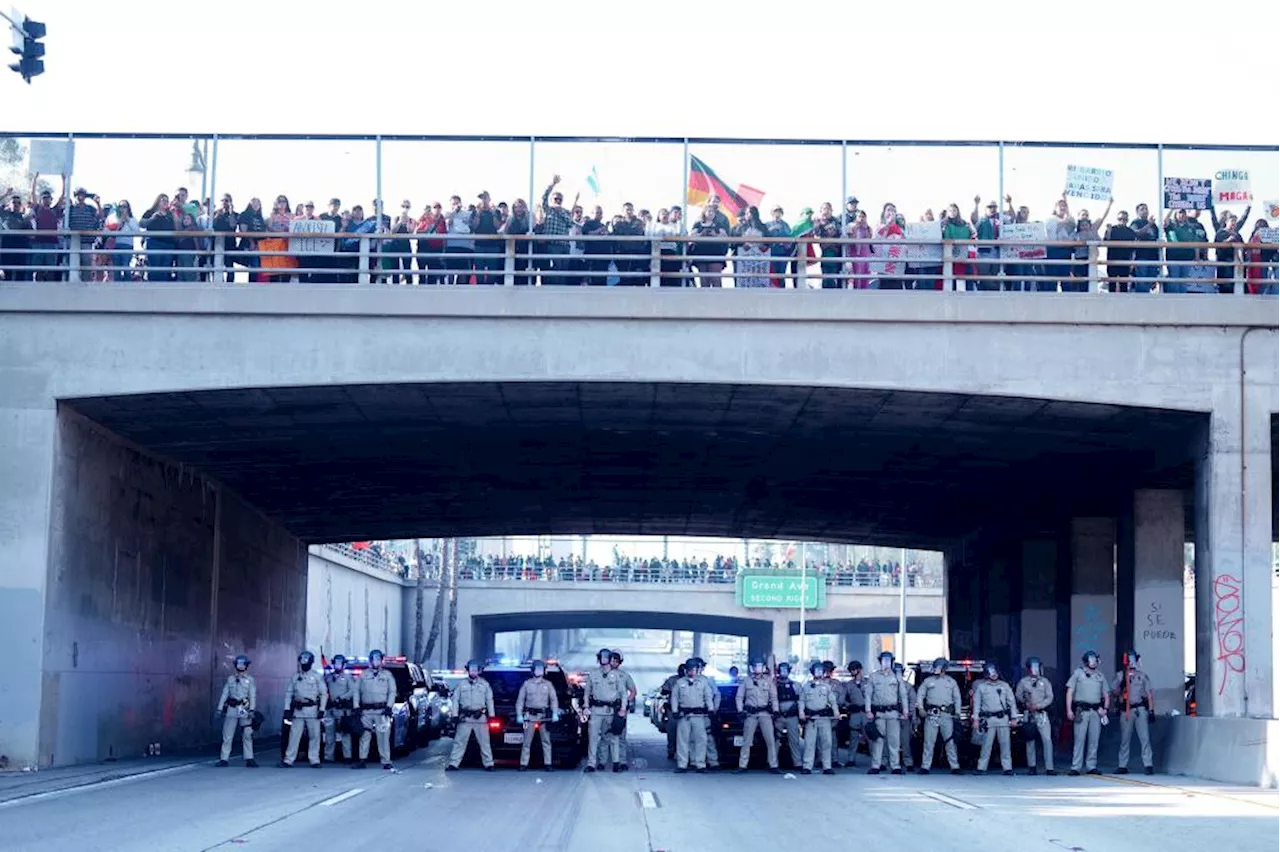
column 353, row 608
column 1237, row 751
column 157, row 579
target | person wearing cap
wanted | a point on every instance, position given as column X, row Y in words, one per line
column 46, row 216
column 557, row 221
column 827, row 227
column 635, row 261
column 778, row 228
column 987, row 227
column 83, row 216
column 14, row 243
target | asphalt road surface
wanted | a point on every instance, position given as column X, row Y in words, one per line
column 193, row 806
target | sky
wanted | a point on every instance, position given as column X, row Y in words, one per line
column 926, row 71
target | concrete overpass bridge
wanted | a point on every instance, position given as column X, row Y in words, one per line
column 168, row 453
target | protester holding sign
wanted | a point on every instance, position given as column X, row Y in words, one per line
column 1059, row 228
column 1146, row 230
column 1262, row 271
column 1086, row 232
column 1227, row 231
column 1181, row 228
column 988, row 228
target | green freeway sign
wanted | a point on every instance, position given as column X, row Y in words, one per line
column 780, row 590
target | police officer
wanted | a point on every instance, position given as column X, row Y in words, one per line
column 993, row 711
column 692, row 702
column 789, row 712
column 605, row 694
column 886, row 705
column 237, row 704
column 667, row 686
column 377, row 688
column 342, row 703
column 938, row 701
column 474, row 701
column 713, row 747
column 1137, row 703
column 536, row 707
column 615, row 662
column 853, row 700
column 734, row 675
column 306, row 697
column 819, row 706
column 1035, row 697
column 1088, row 703
column 757, row 701
column 908, row 724
column 838, row 724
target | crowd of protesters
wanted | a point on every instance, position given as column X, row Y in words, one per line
column 446, row 244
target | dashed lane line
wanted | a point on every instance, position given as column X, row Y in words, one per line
column 1186, row 790
column 341, row 797
column 948, row 800
column 648, row 799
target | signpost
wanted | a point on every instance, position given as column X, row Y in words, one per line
column 1187, row 193
column 1231, row 186
column 780, row 590
column 1089, row 183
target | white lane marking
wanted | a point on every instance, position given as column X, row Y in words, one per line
column 947, row 800
column 648, row 800
column 99, row 785
column 328, row 803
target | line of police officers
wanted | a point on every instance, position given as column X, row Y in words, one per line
column 360, row 706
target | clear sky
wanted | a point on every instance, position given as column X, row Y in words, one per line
column 1174, row 72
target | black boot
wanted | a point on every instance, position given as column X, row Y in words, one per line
column 922, row 771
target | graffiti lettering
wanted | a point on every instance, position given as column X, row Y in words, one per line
column 1228, row 625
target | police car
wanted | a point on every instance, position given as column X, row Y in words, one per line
column 506, row 735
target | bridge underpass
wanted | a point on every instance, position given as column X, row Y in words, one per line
column 168, row 491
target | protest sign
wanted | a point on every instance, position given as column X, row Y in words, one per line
column 924, row 253
column 1269, row 235
column 1231, row 186
column 1089, row 183
column 1024, row 232
column 893, row 264
column 52, row 156
column 311, row 245
column 1187, row 193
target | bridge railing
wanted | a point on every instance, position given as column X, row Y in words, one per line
column 921, row 577
column 369, row 557
column 654, row 260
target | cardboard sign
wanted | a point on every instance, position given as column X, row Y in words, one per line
column 924, row 231
column 1270, row 235
column 1089, row 183
column 1231, row 186
column 53, row 156
column 1187, row 193
column 1025, row 232
column 310, row 245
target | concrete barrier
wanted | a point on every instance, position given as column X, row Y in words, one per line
column 1237, row 751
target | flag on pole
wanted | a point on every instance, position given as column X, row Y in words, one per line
column 593, row 181
column 704, row 183
column 751, row 194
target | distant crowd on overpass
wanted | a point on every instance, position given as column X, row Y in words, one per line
column 180, row 239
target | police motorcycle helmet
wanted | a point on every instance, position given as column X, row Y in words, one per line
column 885, row 656
column 375, row 657
column 815, row 668
column 855, row 666
column 473, row 664
column 899, row 669
column 871, row 730
column 537, row 668
column 1131, row 658
column 1090, row 655
column 306, row 660
column 241, row 663
column 256, row 719
column 784, row 669
column 603, row 656
column 339, row 662
column 991, row 669
column 756, row 666
column 618, row 725
column 939, row 665
column 1034, row 666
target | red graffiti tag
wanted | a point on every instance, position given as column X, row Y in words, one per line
column 1228, row 621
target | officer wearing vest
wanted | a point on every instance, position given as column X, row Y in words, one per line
column 1088, row 703
column 474, row 701
column 819, row 707
column 605, row 694
column 667, row 686
column 1035, row 697
column 1137, row 706
column 713, row 748
column 907, row 725
column 342, row 706
column 938, row 701
column 615, row 661
column 537, row 707
column 305, row 699
column 993, row 710
column 886, row 705
column 757, row 701
column 377, row 698
column 852, row 701
column 829, row 673
column 692, row 702
column 789, row 712
column 237, row 704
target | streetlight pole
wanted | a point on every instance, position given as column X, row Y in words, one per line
column 902, row 609
column 804, row 583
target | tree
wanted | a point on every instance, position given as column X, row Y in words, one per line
column 451, row 658
column 442, row 593
column 13, row 168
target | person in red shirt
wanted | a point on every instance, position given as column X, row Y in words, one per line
column 430, row 250
column 47, row 216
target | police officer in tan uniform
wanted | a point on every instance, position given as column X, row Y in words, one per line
column 853, row 700
column 342, row 703
column 474, row 701
column 1035, row 696
column 667, row 686
column 713, row 749
column 819, row 707
column 907, row 725
column 994, row 709
column 757, row 701
column 1137, row 704
column 605, row 695
column 1088, row 702
column 692, row 702
column 886, row 705
column 537, row 706
column 377, row 700
column 615, row 661
column 305, row 697
column 938, row 701
column 237, row 704
column 789, row 713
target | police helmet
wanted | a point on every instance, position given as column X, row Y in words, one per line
column 375, row 654
column 784, row 669
column 885, row 655
column 603, row 655
column 855, row 666
column 306, row 658
column 691, row 664
column 828, row 666
column 241, row 661
column 615, row 655
column 1084, row 658
column 682, row 669
column 339, row 661
column 1132, row 656
column 815, row 667
column 536, row 665
column 940, row 664
column 898, row 668
column 1034, row 664
column 473, row 664
column 991, row 669
column 699, row 662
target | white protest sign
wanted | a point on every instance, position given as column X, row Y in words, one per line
column 893, row 264
column 1231, row 186
column 311, row 245
column 1022, row 232
column 924, row 231
column 53, row 156
column 1089, row 183
column 1269, row 235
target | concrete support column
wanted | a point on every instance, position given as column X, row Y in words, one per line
column 857, row 646
column 963, row 590
column 1149, row 586
column 1038, row 627
column 780, row 638
column 698, row 645
column 997, row 623
column 1233, row 522
column 1093, row 596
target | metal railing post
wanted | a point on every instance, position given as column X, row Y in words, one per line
column 364, row 260
column 73, row 258
column 802, row 264
column 1237, row 286
column 948, row 269
column 219, row 257
column 1093, row 269
column 509, row 263
column 655, row 264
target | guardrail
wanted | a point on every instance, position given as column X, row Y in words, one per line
column 366, row 556
column 654, row 260
column 683, row 575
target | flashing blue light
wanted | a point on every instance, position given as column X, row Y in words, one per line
column 510, row 661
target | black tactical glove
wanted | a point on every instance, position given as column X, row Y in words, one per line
column 386, row 711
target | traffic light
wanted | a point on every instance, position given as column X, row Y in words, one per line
column 26, row 43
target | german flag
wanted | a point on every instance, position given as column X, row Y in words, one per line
column 704, row 183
